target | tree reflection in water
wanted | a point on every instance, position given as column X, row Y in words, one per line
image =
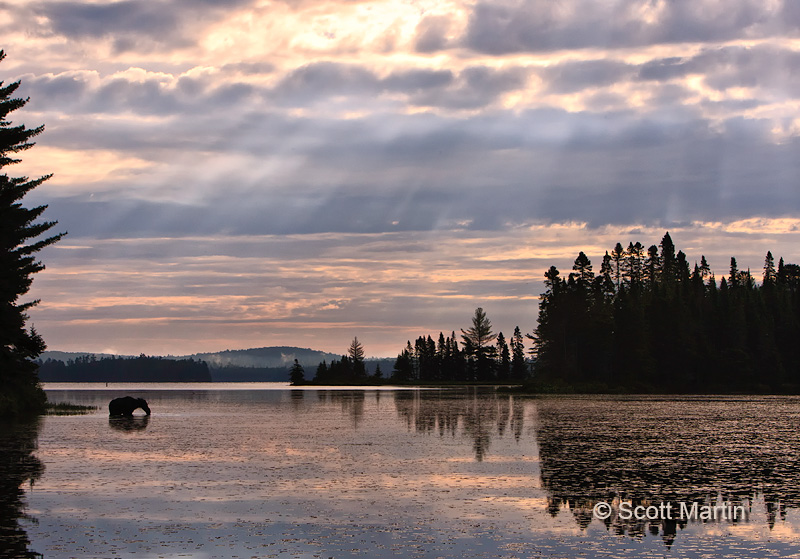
column 351, row 402
column 479, row 414
column 651, row 451
column 18, row 466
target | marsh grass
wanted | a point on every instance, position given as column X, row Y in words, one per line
column 65, row 408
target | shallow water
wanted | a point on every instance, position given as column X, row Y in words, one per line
column 408, row 473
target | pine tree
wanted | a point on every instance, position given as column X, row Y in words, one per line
column 705, row 269
column 519, row 368
column 604, row 285
column 322, row 374
column 403, row 367
column 356, row 354
column 583, row 270
column 616, row 257
column 297, row 375
column 632, row 264
column 733, row 279
column 503, row 359
column 478, row 339
column 652, row 266
column 667, row 258
column 769, row 270
column 19, row 346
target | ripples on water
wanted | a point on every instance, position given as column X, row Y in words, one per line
column 436, row 473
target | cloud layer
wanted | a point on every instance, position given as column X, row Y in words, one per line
column 201, row 149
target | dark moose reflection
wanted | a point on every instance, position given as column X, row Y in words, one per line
column 481, row 414
column 126, row 423
column 653, row 451
column 18, row 466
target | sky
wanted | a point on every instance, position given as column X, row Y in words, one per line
column 241, row 173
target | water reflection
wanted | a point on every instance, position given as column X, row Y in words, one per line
column 479, row 414
column 18, row 466
column 653, row 451
column 351, row 402
column 123, row 423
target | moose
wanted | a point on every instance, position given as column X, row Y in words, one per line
column 125, row 406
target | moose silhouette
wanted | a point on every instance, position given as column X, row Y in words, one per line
column 126, row 405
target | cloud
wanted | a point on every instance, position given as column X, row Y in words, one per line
column 499, row 28
column 132, row 25
column 427, row 173
column 475, row 87
column 322, row 80
column 318, row 164
column 572, row 76
column 431, row 34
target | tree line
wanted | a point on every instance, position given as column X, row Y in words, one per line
column 89, row 368
column 481, row 356
column 648, row 321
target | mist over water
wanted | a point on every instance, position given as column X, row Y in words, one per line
column 408, row 473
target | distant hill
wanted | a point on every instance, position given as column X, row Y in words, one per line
column 268, row 357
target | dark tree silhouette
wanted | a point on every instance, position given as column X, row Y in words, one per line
column 297, row 375
column 89, row 368
column 519, row 367
column 478, row 338
column 503, row 359
column 19, row 346
column 665, row 328
column 356, row 353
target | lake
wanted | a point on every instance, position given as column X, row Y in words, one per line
column 260, row 470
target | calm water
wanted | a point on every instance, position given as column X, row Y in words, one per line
column 262, row 472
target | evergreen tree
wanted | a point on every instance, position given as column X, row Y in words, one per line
column 733, row 278
column 503, row 359
column 604, row 284
column 667, row 259
column 321, row 377
column 519, row 368
column 478, row 339
column 652, row 266
column 705, row 269
column 19, row 346
column 769, row 270
column 403, row 368
column 356, row 354
column 616, row 257
column 356, row 350
column 633, row 264
column 583, row 270
column 297, row 375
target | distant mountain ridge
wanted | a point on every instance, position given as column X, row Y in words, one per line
column 274, row 356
